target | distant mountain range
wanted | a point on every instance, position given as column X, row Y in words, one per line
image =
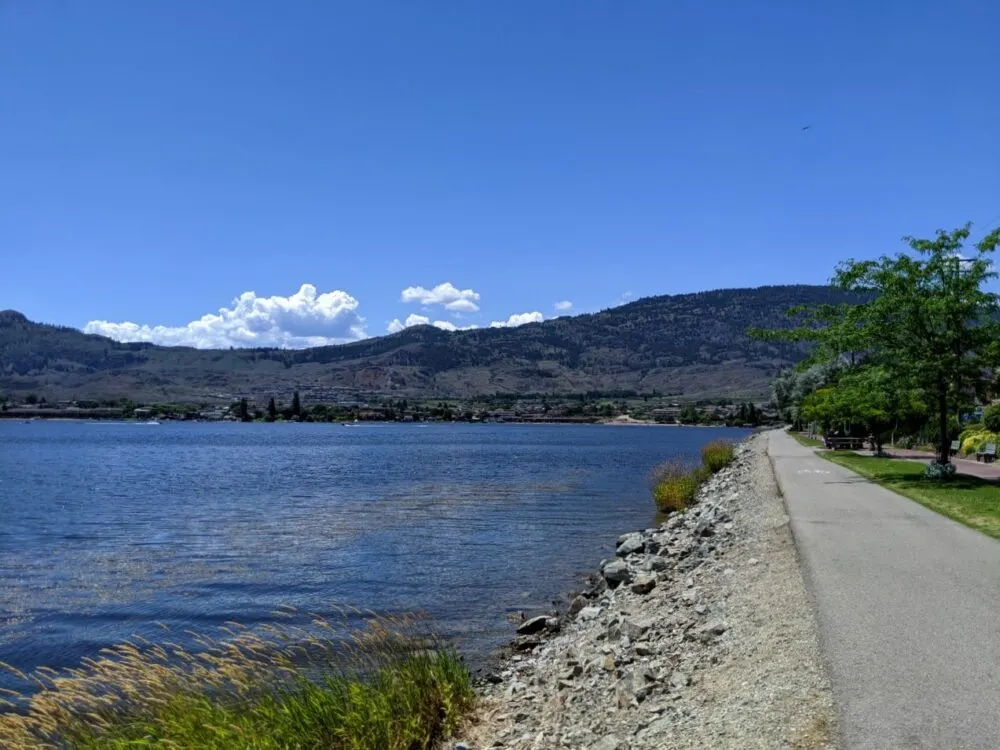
column 690, row 345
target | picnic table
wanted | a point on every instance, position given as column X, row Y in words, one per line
column 844, row 443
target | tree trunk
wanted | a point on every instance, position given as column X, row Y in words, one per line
column 944, row 444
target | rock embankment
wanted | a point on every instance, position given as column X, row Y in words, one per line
column 697, row 634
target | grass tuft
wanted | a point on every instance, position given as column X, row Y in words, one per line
column 717, row 455
column 675, row 483
column 387, row 686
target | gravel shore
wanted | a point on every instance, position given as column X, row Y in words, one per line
column 699, row 634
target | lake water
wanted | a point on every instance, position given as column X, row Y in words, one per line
column 108, row 529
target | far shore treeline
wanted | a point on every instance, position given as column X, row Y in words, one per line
column 583, row 408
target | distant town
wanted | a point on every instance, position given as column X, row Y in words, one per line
column 616, row 407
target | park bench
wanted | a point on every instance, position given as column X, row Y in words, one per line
column 955, row 445
column 844, row 443
column 987, row 454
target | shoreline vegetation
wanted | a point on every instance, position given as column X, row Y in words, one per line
column 675, row 483
column 389, row 685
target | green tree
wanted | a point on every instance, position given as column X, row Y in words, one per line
column 926, row 320
column 991, row 417
column 870, row 397
column 296, row 409
column 272, row 410
column 243, row 411
column 689, row 415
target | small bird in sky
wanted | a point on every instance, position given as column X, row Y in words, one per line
column 807, row 127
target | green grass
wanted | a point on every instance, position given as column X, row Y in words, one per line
column 969, row 500
column 387, row 687
column 808, row 442
column 717, row 455
column 675, row 483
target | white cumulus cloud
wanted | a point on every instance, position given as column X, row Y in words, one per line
column 564, row 306
column 518, row 319
column 450, row 297
column 395, row 325
column 304, row 319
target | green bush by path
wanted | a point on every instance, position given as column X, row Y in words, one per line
column 386, row 687
column 974, row 440
column 675, row 483
column 969, row 500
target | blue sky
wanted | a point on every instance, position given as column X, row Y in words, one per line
column 160, row 159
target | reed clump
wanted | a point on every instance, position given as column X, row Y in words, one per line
column 675, row 483
column 387, row 685
column 717, row 455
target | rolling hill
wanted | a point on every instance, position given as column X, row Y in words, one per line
column 691, row 345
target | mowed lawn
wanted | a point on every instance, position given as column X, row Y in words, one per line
column 969, row 500
column 808, row 442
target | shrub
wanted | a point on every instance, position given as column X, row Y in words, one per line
column 973, row 442
column 718, row 454
column 939, row 471
column 675, row 484
column 386, row 687
column 991, row 417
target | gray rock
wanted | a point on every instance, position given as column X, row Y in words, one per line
column 716, row 627
column 526, row 642
column 643, row 585
column 710, row 631
column 635, row 629
column 679, row 680
column 631, row 544
column 577, row 604
column 609, row 742
column 589, row 613
column 639, row 682
column 616, row 572
column 532, row 626
column 571, row 673
column 459, row 746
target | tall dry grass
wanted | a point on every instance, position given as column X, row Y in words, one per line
column 675, row 483
column 386, row 686
column 717, row 455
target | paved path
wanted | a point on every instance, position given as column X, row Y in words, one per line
column 908, row 604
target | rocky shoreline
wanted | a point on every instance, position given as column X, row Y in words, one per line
column 698, row 633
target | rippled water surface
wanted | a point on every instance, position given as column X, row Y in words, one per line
column 108, row 529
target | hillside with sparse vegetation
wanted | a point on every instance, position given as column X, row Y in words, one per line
column 689, row 345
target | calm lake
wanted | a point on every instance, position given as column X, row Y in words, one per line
column 108, row 529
